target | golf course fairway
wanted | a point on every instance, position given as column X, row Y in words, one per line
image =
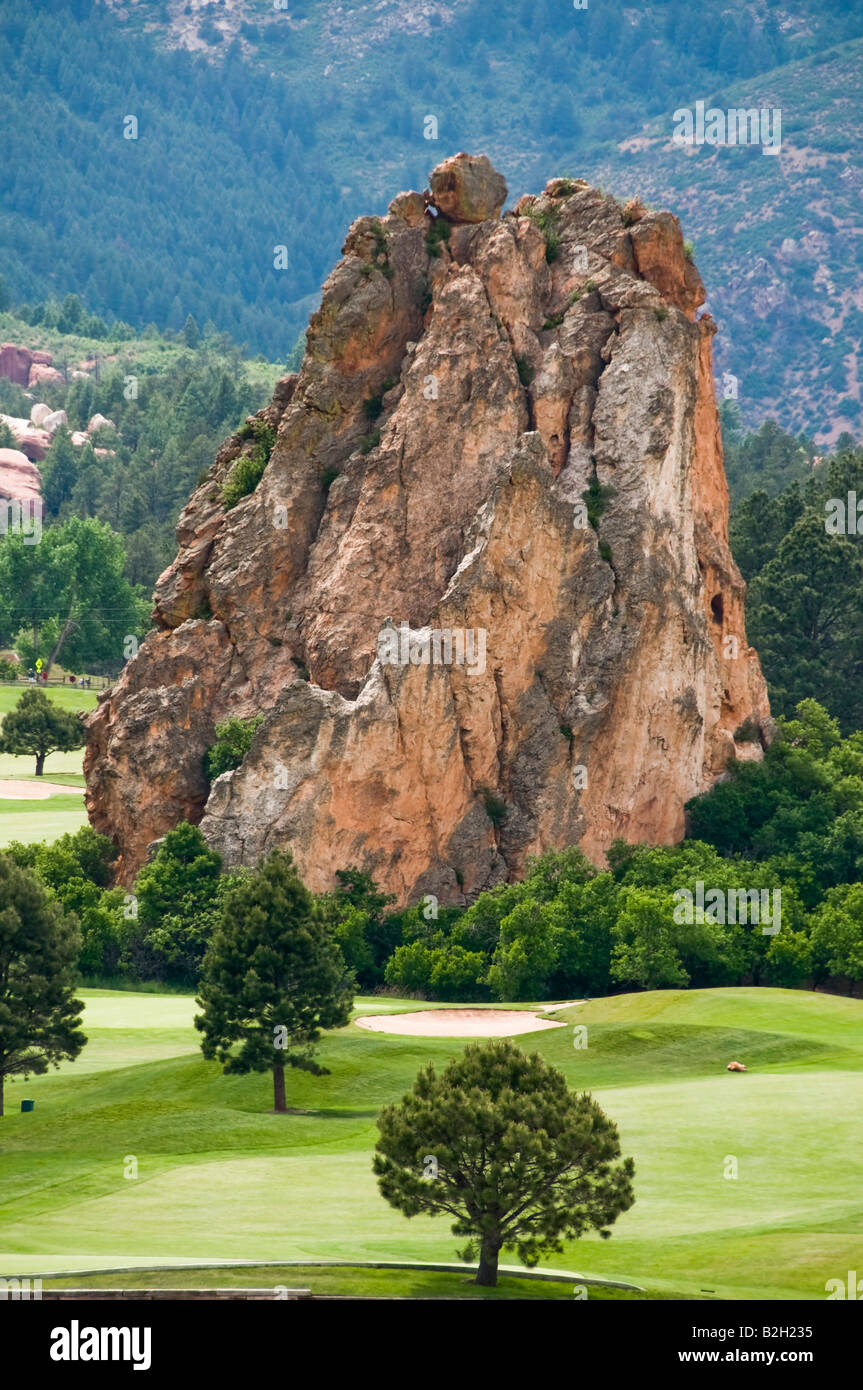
column 747, row 1185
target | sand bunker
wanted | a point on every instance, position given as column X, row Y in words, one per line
column 32, row 791
column 460, row 1023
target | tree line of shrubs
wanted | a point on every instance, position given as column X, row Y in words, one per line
column 793, row 823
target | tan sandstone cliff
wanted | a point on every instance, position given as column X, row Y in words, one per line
column 539, row 360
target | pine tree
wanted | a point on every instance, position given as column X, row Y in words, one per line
column 39, row 944
column 273, row 978
column 37, row 727
column 500, row 1143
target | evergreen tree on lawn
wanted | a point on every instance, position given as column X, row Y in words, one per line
column 500, row 1143
column 36, row 726
column 39, row 944
column 273, row 978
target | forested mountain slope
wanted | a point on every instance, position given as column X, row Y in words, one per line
column 260, row 127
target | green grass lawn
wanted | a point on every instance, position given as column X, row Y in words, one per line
column 221, row 1179
column 68, row 696
column 28, row 820
column 59, row 767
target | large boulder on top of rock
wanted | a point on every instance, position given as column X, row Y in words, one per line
column 661, row 258
column 39, row 413
column 467, row 188
column 15, row 363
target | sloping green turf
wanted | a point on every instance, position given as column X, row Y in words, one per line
column 69, row 696
column 220, row 1178
column 30, row 821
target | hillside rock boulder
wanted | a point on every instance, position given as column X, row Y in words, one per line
column 40, row 373
column 100, row 422
column 14, row 363
column 33, row 442
column 19, row 478
column 55, row 421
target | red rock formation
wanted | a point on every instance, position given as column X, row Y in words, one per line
column 41, row 372
column 17, row 363
column 455, row 416
column 19, row 478
column 30, row 439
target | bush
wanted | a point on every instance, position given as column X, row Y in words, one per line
column 373, row 406
column 547, row 221
column 525, row 371
column 233, row 741
column 456, row 973
column 382, row 260
column 437, row 234
column 370, row 441
column 249, row 468
column 495, row 807
column 410, row 968
column 747, row 732
column 101, row 934
column 596, row 498
column 178, row 898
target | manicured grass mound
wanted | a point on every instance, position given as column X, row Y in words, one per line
column 221, row 1178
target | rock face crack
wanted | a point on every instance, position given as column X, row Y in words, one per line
column 537, row 356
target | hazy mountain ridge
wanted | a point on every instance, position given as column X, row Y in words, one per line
column 780, row 237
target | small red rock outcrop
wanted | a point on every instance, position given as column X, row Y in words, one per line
column 19, row 478
column 25, row 367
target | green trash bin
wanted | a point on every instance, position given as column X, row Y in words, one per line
column 27, row 1104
